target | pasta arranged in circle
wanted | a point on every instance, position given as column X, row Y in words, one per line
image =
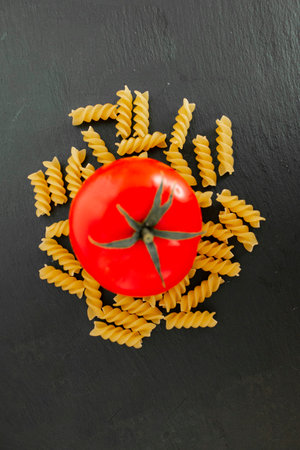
column 132, row 318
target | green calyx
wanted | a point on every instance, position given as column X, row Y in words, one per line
column 146, row 231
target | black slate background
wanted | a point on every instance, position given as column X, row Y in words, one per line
column 233, row 387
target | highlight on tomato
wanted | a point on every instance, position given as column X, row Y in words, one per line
column 135, row 225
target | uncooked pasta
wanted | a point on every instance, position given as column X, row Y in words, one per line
column 42, row 193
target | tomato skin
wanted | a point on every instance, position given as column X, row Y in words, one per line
column 133, row 183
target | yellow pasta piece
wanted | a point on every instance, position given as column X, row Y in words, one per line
column 152, row 299
column 204, row 198
column 182, row 124
column 201, row 292
column 223, row 267
column 66, row 259
column 173, row 295
column 137, row 145
column 204, row 159
column 73, row 169
column 132, row 321
column 124, row 113
column 143, row 155
column 98, row 146
column 57, row 229
column 96, row 112
column 141, row 111
column 209, row 248
column 62, row 279
column 178, row 163
column 190, row 320
column 87, row 171
column 243, row 210
column 42, row 193
column 138, row 307
column 237, row 227
column 55, row 181
column 93, row 295
column 216, row 230
column 224, row 147
column 117, row 334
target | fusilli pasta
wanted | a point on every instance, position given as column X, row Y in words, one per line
column 204, row 159
column 201, row 292
column 55, row 182
column 124, row 113
column 66, row 259
column 42, row 193
column 216, row 230
column 62, row 279
column 143, row 155
column 224, row 147
column 87, row 171
column 152, row 299
column 223, row 267
column 57, row 229
column 234, row 204
column 98, row 146
column 138, row 307
column 96, row 112
column 204, row 198
column 141, row 111
column 93, row 295
column 182, row 124
column 178, row 163
column 131, row 145
column 117, row 334
column 127, row 320
column 173, row 295
column 73, row 169
column 190, row 320
column 209, row 248
column 237, row 227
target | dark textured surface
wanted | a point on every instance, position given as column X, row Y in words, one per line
column 233, row 387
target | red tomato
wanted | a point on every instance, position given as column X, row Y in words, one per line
column 127, row 188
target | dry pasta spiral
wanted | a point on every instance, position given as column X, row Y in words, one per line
column 201, row 292
column 190, row 320
column 152, row 299
column 62, row 279
column 42, row 193
column 216, row 230
column 66, row 259
column 98, row 146
column 93, row 295
column 131, row 145
column 173, row 295
column 57, row 229
column 143, row 155
column 237, row 227
column 182, row 124
column 87, row 171
column 73, row 169
column 204, row 198
column 127, row 320
column 141, row 111
column 224, row 147
column 204, row 159
column 178, row 163
column 234, row 204
column 124, row 113
column 117, row 334
column 209, row 248
column 96, row 112
column 138, row 307
column 55, row 182
column 221, row 266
